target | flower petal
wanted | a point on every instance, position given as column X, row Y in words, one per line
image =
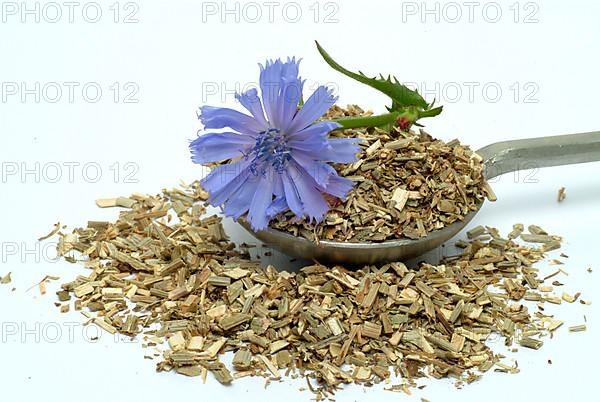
column 314, row 205
column 252, row 103
column 313, row 139
column 279, row 204
column 338, row 186
column 291, row 68
column 220, row 117
column 220, row 176
column 222, row 195
column 287, row 106
column 272, row 75
column 342, row 150
column 319, row 171
column 263, row 197
column 291, row 194
column 212, row 147
column 314, row 146
column 319, row 129
column 238, row 205
column 314, row 107
column 278, row 186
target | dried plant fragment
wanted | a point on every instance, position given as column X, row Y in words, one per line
column 167, row 271
column 407, row 184
column 578, row 328
column 6, row 279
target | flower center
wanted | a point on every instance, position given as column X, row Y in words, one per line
column 271, row 147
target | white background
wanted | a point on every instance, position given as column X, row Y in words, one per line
column 174, row 57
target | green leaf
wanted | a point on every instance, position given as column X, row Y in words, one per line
column 401, row 95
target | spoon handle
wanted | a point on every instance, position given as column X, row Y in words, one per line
column 509, row 156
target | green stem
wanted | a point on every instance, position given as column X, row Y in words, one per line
column 369, row 121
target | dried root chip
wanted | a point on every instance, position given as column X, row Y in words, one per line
column 407, row 184
column 167, row 271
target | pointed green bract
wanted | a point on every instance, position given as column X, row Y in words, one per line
column 431, row 112
column 401, row 95
column 407, row 105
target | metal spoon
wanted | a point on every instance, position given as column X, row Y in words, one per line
column 499, row 158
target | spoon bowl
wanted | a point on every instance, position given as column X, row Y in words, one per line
column 357, row 253
column 499, row 158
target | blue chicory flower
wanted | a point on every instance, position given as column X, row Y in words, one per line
column 279, row 154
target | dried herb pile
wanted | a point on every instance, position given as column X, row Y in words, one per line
column 407, row 185
column 168, row 274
